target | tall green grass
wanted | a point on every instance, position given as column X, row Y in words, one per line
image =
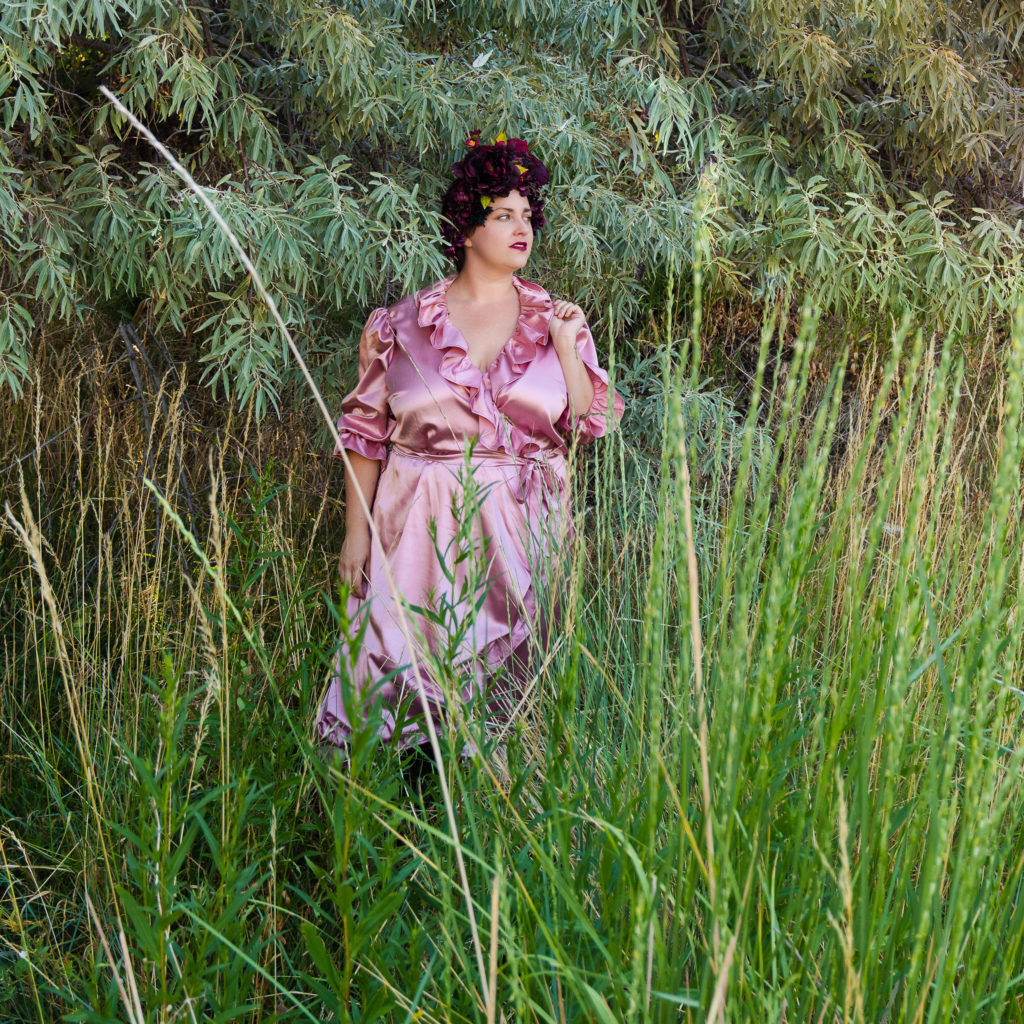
column 771, row 770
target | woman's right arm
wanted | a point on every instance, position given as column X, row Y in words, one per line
column 364, row 430
column 355, row 549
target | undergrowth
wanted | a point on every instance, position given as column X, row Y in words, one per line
column 797, row 798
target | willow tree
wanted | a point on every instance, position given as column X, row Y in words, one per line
column 869, row 153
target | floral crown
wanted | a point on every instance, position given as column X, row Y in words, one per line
column 484, row 173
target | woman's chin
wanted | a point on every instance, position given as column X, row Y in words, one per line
column 515, row 261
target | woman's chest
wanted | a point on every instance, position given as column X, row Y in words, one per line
column 422, row 379
column 486, row 333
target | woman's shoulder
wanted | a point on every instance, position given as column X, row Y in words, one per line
column 428, row 293
column 379, row 323
column 424, row 304
column 383, row 319
column 533, row 291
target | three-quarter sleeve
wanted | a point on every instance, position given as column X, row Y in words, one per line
column 599, row 418
column 365, row 424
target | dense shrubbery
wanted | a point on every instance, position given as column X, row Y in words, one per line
column 868, row 152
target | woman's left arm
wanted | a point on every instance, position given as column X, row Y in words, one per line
column 566, row 321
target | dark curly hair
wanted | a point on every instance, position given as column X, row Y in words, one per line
column 486, row 173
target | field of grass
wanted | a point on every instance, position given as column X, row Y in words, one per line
column 771, row 769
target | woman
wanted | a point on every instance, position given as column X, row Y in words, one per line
column 468, row 394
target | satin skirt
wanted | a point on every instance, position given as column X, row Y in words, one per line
column 461, row 594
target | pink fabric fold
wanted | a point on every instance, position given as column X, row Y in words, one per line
column 365, row 424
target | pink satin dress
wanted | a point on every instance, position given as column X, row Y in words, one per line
column 474, row 461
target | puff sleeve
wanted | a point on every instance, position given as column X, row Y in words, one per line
column 607, row 407
column 366, row 423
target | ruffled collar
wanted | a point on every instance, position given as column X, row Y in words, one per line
column 531, row 328
column 531, row 331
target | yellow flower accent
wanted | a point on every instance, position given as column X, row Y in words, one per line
column 485, row 201
column 520, row 168
column 502, row 137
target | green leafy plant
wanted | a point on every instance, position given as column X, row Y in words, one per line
column 866, row 155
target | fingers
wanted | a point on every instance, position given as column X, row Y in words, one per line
column 565, row 310
column 356, row 584
column 353, row 575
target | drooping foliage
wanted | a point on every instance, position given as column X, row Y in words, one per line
column 867, row 152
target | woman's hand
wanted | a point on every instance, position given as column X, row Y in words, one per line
column 355, row 552
column 360, row 479
column 566, row 320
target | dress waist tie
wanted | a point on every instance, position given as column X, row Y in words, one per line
column 545, row 470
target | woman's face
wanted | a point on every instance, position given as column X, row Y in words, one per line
column 505, row 239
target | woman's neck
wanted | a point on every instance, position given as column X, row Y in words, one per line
column 478, row 284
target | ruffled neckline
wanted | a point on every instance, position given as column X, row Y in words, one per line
column 531, row 328
column 530, row 332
